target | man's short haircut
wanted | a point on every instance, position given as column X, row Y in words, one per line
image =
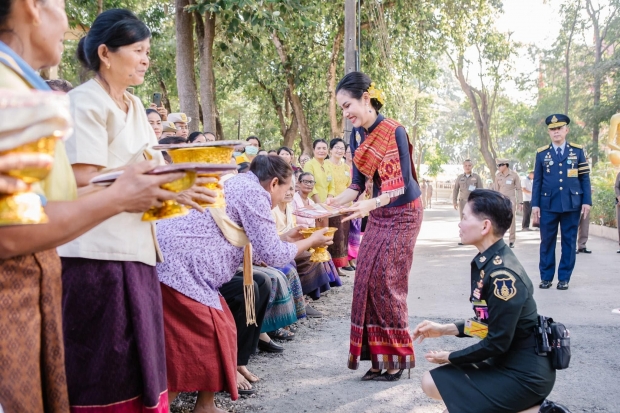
column 468, row 160
column 491, row 205
column 260, row 145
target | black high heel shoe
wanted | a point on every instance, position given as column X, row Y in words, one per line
column 390, row 377
column 370, row 375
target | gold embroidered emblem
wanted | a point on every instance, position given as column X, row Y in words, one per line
column 505, row 287
column 482, row 259
column 358, row 137
column 481, row 273
column 497, row 260
column 554, row 119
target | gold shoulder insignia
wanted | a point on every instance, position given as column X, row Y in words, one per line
column 575, row 145
column 497, row 260
column 542, row 148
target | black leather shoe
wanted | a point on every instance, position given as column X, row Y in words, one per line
column 460, row 243
column 545, row 284
column 550, row 407
column 512, row 245
column 618, row 251
column 562, row 285
column 584, row 250
column 270, row 347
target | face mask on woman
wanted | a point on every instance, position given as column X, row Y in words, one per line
column 251, row 150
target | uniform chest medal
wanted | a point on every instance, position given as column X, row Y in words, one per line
column 572, row 173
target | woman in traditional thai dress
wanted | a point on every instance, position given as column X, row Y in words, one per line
column 321, row 169
column 341, row 175
column 32, row 353
column 355, row 228
column 203, row 251
column 315, row 279
column 381, row 153
column 112, row 311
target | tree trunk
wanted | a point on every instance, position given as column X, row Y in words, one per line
column 99, row 7
column 302, row 122
column 206, row 37
column 186, row 81
column 336, row 127
column 567, row 60
column 481, row 114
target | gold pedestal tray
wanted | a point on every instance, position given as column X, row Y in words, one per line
column 171, row 208
column 319, row 254
column 207, row 153
column 25, row 208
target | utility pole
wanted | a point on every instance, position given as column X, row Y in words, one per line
column 350, row 48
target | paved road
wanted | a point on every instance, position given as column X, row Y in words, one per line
column 311, row 376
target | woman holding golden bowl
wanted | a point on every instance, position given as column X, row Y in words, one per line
column 111, row 294
column 33, row 378
column 203, row 251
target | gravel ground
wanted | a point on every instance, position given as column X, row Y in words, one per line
column 312, row 376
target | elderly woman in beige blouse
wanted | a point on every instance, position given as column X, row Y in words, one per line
column 112, row 306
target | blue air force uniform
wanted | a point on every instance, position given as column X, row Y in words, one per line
column 561, row 186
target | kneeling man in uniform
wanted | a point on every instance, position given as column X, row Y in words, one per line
column 501, row 373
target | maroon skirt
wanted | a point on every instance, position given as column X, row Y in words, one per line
column 379, row 315
column 201, row 345
column 114, row 337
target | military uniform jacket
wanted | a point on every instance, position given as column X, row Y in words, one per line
column 498, row 279
column 561, row 185
column 464, row 185
column 507, row 184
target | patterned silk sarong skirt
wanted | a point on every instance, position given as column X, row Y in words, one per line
column 114, row 337
column 379, row 316
column 339, row 250
column 32, row 356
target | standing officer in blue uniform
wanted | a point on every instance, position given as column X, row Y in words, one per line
column 560, row 194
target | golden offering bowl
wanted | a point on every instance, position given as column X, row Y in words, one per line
column 220, row 202
column 25, row 208
column 170, row 207
column 208, row 154
column 319, row 254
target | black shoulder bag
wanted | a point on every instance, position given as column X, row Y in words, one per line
column 553, row 340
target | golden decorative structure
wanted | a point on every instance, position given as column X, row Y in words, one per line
column 614, row 139
column 25, row 208
column 171, row 208
column 207, row 154
column 319, row 254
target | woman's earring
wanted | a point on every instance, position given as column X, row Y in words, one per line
column 108, row 65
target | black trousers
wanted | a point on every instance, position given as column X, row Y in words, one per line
column 247, row 335
column 527, row 212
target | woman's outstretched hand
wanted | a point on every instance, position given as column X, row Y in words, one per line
column 428, row 329
column 438, row 357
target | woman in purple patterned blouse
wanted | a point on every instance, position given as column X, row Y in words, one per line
column 200, row 333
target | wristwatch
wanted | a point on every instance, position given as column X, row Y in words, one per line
column 377, row 202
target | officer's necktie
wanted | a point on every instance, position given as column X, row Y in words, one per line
column 559, row 152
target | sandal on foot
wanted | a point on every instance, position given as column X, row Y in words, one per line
column 281, row 334
column 370, row 375
column 246, row 391
column 389, row 377
column 291, row 328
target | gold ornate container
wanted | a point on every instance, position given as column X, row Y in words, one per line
column 171, row 208
column 319, row 254
column 26, row 208
column 207, row 154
